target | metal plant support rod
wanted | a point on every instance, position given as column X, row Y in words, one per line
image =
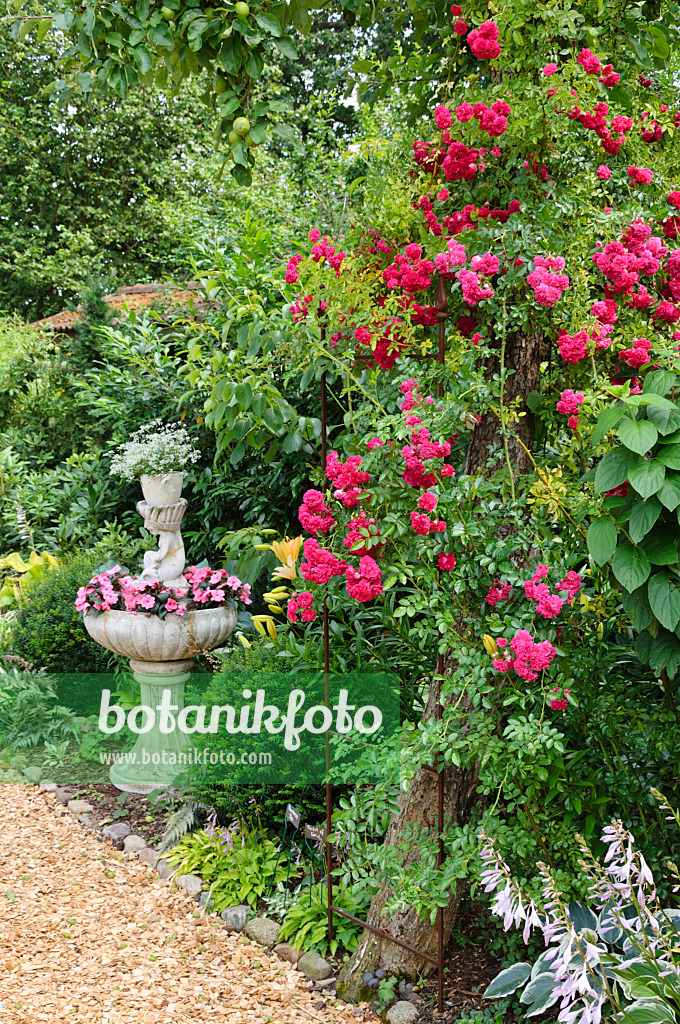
column 441, row 305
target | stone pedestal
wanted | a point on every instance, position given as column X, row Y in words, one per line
column 156, row 758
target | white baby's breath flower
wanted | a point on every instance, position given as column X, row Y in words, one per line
column 156, row 449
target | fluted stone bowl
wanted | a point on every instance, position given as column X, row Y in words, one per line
column 146, row 638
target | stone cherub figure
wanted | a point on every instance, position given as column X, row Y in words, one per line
column 166, row 562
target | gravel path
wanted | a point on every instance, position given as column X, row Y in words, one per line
column 90, row 935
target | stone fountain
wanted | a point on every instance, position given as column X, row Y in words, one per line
column 161, row 651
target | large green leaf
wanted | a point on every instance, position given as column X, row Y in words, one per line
column 606, row 421
column 670, row 456
column 613, row 469
column 664, row 599
column 601, row 539
column 658, row 382
column 638, row 435
column 669, row 494
column 666, row 421
column 508, row 981
column 647, row 476
column 663, row 651
column 631, row 566
column 643, row 515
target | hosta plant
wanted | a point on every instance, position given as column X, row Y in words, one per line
column 617, row 955
column 239, row 864
column 306, row 923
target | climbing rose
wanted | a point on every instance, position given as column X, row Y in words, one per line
column 549, row 69
column 460, row 27
column 604, row 172
column 573, row 349
column 498, row 593
column 366, row 583
column 569, row 402
column 442, row 118
column 447, row 561
column 638, row 355
column 640, row 175
column 320, row 565
column 314, row 514
column 589, row 62
column 427, row 501
column 547, row 286
column 483, row 41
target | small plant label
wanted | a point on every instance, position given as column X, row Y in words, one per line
column 317, row 833
column 292, row 816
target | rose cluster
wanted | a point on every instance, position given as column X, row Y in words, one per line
column 549, row 605
column 529, row 658
column 314, row 513
column 547, row 285
column 568, row 405
column 409, row 271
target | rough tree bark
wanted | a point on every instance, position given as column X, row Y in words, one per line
column 524, row 353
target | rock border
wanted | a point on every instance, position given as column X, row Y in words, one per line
column 261, row 930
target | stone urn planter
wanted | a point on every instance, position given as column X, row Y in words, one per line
column 148, row 640
column 162, row 490
column 161, row 657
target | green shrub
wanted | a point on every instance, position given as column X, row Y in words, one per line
column 49, row 632
column 306, row 923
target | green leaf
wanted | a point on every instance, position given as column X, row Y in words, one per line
column 669, row 456
column 663, row 651
column 606, row 421
column 666, row 421
column 669, row 494
column 268, row 24
column 273, row 418
column 293, row 442
column 638, row 435
column 231, row 55
column 508, row 981
column 647, row 476
column 664, row 599
column 534, row 401
column 643, row 515
column 663, row 554
column 254, row 64
column 258, row 134
column 142, row 58
column 161, row 36
column 630, row 566
column 287, row 47
column 612, row 470
column 243, row 175
column 298, row 12
column 115, row 39
column 658, row 382
column 601, row 539
column 243, row 393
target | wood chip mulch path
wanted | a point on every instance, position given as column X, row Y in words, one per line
column 90, row 935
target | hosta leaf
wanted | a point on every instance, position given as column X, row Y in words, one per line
column 643, row 515
column 631, row 566
column 647, row 476
column 601, row 539
column 664, row 599
column 508, row 981
column 638, row 435
column 542, row 992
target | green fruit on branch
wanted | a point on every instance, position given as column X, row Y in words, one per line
column 220, row 86
column 241, row 126
column 242, row 9
column 249, row 141
column 234, row 137
column 167, row 13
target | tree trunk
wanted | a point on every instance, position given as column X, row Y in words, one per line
column 418, row 806
column 523, row 354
